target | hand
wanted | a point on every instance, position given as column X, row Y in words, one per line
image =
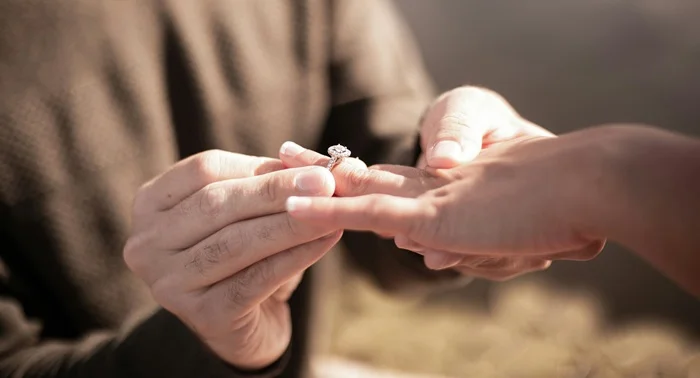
column 464, row 121
column 454, row 130
column 513, row 205
column 353, row 179
column 212, row 240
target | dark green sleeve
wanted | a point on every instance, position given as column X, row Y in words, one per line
column 380, row 89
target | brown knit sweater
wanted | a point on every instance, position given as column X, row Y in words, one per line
column 96, row 97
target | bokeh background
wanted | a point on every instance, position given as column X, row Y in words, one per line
column 565, row 64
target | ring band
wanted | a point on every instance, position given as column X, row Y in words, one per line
column 331, row 163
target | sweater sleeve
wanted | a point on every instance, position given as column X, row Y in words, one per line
column 379, row 90
column 159, row 346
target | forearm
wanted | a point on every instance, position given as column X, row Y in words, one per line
column 649, row 197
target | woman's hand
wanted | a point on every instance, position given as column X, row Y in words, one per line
column 513, row 209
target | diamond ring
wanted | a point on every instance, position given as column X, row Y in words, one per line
column 337, row 153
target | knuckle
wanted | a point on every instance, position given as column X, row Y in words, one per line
column 202, row 258
column 265, row 271
column 263, row 165
column 291, row 226
column 269, row 190
column 164, row 293
column 207, row 166
column 358, row 180
column 455, row 120
column 212, row 200
column 140, row 203
column 133, row 253
column 239, row 290
column 264, row 232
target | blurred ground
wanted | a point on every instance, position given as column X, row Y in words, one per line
column 528, row 330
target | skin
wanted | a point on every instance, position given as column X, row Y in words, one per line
column 528, row 198
column 212, row 240
column 459, row 126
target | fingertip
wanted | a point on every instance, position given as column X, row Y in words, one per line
column 449, row 154
column 403, row 242
column 290, row 149
column 334, row 236
column 446, row 149
column 441, row 260
column 442, row 162
column 314, row 181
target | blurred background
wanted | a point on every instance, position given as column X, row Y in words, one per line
column 564, row 64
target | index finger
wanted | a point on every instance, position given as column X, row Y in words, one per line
column 379, row 213
column 195, row 172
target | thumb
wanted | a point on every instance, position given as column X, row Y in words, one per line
column 454, row 142
column 453, row 130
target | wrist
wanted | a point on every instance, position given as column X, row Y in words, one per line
column 601, row 165
column 625, row 167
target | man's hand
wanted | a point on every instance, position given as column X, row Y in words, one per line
column 213, row 241
column 464, row 121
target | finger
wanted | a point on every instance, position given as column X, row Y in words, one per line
column 422, row 161
column 504, row 263
column 587, row 253
column 197, row 171
column 237, row 246
column 503, row 274
column 403, row 242
column 294, row 155
column 454, row 128
column 440, row 260
column 437, row 260
column 230, row 201
column 353, row 178
column 239, row 293
column 378, row 213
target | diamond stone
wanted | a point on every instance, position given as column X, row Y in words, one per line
column 338, row 151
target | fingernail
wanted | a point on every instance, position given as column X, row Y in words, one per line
column 439, row 261
column 313, row 181
column 297, row 203
column 447, row 149
column 291, row 149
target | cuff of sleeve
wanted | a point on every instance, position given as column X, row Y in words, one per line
column 273, row 370
column 163, row 346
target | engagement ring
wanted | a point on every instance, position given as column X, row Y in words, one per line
column 337, row 153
